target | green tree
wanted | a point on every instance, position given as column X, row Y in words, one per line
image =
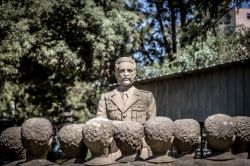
column 55, row 55
column 172, row 24
column 217, row 49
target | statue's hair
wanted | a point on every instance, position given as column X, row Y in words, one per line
column 128, row 136
column 124, row 59
column 97, row 135
column 187, row 135
column 36, row 135
column 242, row 127
column 219, row 130
column 159, row 134
column 70, row 138
column 11, row 144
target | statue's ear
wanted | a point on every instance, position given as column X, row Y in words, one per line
column 116, row 74
column 50, row 141
column 112, row 146
column 199, row 141
column 111, row 140
column 135, row 73
column 172, row 139
column 234, row 137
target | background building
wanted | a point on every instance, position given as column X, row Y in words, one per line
column 236, row 17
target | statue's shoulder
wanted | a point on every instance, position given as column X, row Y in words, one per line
column 109, row 93
column 143, row 92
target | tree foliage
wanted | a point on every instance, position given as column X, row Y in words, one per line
column 170, row 25
column 55, row 55
column 217, row 49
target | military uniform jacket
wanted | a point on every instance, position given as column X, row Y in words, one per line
column 140, row 106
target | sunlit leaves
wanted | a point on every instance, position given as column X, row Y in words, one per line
column 216, row 49
column 49, row 47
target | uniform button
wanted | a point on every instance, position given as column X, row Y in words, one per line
column 124, row 115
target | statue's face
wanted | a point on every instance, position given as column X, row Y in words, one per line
column 125, row 74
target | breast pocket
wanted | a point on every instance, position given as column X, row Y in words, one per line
column 140, row 113
column 139, row 108
column 112, row 112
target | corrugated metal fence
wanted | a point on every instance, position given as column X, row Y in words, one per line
column 199, row 93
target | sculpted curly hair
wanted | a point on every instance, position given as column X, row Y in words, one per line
column 242, row 128
column 97, row 135
column 128, row 136
column 187, row 134
column 219, row 130
column 11, row 144
column 36, row 135
column 70, row 138
column 159, row 134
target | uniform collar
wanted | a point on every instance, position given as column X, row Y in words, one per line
column 132, row 94
column 129, row 92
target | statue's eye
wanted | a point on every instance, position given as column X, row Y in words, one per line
column 130, row 70
column 121, row 71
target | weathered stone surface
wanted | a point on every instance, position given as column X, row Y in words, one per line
column 128, row 136
column 160, row 159
column 242, row 126
column 75, row 161
column 11, row 145
column 70, row 137
column 100, row 161
column 219, row 130
column 233, row 162
column 242, row 141
column 190, row 162
column 36, row 136
column 187, row 135
column 97, row 136
column 159, row 134
column 38, row 162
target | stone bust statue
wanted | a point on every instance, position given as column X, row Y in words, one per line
column 11, row 146
column 97, row 136
column 70, row 138
column 241, row 146
column 187, row 137
column 127, row 103
column 36, row 136
column 220, row 132
column 128, row 137
column 159, row 135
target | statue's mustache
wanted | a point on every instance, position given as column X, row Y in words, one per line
column 126, row 78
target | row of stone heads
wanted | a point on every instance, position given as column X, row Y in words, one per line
column 103, row 137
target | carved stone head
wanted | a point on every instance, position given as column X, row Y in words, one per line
column 128, row 137
column 70, row 137
column 242, row 127
column 159, row 134
column 11, row 144
column 125, row 71
column 97, row 136
column 220, row 131
column 187, row 135
column 37, row 137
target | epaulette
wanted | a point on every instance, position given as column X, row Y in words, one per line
column 109, row 93
column 144, row 91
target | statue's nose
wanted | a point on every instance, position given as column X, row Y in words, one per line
column 126, row 73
